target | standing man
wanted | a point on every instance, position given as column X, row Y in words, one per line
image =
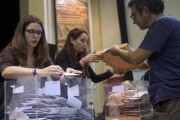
column 161, row 46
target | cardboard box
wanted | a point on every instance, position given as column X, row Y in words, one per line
column 116, row 62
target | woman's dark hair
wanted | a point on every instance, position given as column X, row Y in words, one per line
column 75, row 33
column 155, row 6
column 19, row 45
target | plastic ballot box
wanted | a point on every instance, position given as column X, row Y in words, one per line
column 127, row 101
column 116, row 62
column 48, row 98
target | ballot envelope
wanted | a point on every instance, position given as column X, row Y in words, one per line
column 116, row 62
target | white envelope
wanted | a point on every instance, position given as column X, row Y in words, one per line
column 52, row 88
column 119, row 89
column 74, row 102
column 73, row 91
column 18, row 89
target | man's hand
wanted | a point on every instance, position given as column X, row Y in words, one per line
column 146, row 65
column 113, row 50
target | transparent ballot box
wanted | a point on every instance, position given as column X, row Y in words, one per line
column 127, row 100
column 48, row 98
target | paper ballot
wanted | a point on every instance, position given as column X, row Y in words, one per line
column 119, row 89
column 18, row 89
column 74, row 102
column 52, row 88
column 73, row 91
column 17, row 114
column 68, row 110
column 41, row 91
column 70, row 74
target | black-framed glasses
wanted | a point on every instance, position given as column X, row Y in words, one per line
column 32, row 32
column 133, row 15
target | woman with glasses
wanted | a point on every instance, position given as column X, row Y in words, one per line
column 27, row 55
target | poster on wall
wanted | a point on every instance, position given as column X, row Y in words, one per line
column 71, row 14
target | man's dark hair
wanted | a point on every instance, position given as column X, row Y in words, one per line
column 155, row 6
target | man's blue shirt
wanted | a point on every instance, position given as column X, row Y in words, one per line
column 163, row 37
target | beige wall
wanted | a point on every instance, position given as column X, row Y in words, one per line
column 32, row 7
column 36, row 7
column 98, row 97
column 105, row 27
column 109, row 23
column 43, row 9
column 24, row 8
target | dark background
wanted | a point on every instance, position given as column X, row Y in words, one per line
column 9, row 17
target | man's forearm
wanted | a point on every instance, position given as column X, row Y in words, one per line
column 127, row 56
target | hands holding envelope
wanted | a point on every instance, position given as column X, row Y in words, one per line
column 113, row 50
column 92, row 57
column 95, row 57
column 127, row 50
column 55, row 70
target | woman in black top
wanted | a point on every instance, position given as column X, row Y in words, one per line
column 74, row 55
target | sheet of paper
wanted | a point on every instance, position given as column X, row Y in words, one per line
column 106, row 49
column 73, row 91
column 17, row 114
column 139, row 94
column 41, row 91
column 74, row 102
column 55, row 110
column 70, row 74
column 18, row 90
column 29, row 103
column 68, row 110
column 52, row 88
column 26, row 108
column 119, row 89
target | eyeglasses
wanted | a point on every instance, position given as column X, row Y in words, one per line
column 133, row 15
column 32, row 32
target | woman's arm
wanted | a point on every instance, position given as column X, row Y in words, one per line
column 10, row 68
column 99, row 77
column 13, row 72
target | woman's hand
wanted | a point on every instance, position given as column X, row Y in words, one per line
column 92, row 57
column 65, row 78
column 54, row 70
column 70, row 70
column 113, row 71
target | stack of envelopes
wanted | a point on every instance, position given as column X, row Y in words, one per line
column 52, row 107
column 136, row 104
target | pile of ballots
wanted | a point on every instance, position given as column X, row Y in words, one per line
column 52, row 108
